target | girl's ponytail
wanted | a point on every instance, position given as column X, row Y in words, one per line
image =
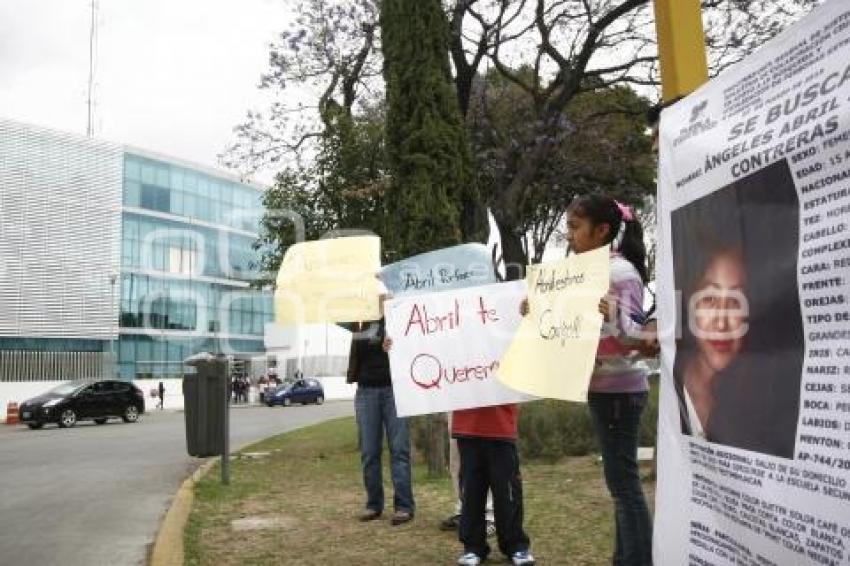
column 632, row 247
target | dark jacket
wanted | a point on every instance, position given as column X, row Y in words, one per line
column 368, row 364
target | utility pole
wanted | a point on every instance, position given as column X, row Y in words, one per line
column 90, row 116
column 113, row 279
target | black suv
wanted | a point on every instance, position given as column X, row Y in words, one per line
column 84, row 400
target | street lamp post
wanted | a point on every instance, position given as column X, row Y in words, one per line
column 113, row 316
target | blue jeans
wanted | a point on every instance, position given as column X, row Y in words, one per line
column 616, row 418
column 375, row 409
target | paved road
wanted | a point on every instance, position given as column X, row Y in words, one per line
column 94, row 495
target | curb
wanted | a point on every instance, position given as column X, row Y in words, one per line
column 168, row 545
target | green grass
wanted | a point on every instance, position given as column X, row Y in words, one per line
column 311, row 482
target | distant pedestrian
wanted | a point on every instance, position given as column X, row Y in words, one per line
column 246, row 390
column 241, row 390
column 161, row 390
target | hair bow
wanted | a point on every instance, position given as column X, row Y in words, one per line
column 625, row 211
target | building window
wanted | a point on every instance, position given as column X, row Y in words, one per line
column 155, row 198
column 183, row 261
column 132, row 171
column 132, row 190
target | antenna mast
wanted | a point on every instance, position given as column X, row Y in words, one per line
column 90, row 117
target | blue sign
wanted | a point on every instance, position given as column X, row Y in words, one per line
column 466, row 265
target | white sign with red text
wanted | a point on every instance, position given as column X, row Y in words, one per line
column 446, row 347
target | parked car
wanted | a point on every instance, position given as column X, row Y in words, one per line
column 302, row 391
column 84, row 400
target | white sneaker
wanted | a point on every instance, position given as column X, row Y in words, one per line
column 469, row 559
column 522, row 558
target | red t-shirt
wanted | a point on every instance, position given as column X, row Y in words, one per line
column 498, row 422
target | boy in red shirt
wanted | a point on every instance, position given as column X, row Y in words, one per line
column 486, row 439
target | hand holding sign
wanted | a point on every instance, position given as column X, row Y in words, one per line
column 608, row 307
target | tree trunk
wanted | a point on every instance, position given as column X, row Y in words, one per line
column 437, row 444
column 514, row 253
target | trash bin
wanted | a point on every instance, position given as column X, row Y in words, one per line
column 205, row 403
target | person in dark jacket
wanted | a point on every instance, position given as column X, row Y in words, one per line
column 369, row 367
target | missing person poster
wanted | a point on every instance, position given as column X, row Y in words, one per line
column 754, row 304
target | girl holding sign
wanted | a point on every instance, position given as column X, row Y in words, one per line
column 618, row 388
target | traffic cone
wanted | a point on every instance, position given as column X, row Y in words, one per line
column 12, row 416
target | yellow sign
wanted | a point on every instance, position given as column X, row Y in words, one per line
column 329, row 281
column 681, row 47
column 553, row 352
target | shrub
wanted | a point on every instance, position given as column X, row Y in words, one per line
column 550, row 430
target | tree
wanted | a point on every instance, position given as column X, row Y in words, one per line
column 580, row 47
column 571, row 47
column 602, row 146
column 426, row 146
column 329, row 55
column 341, row 188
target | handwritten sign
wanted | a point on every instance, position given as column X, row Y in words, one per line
column 456, row 267
column 329, row 281
column 447, row 346
column 554, row 349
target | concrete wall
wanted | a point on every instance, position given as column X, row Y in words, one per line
column 337, row 388
column 318, row 350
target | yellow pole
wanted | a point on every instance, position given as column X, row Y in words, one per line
column 681, row 47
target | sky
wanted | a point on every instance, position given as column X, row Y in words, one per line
column 171, row 76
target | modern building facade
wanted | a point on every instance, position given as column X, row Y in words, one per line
column 187, row 261
column 118, row 260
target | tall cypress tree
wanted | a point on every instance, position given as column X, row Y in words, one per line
column 426, row 148
column 426, row 141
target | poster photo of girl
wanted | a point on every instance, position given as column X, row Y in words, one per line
column 739, row 357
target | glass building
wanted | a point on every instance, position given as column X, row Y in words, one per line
column 114, row 259
column 186, row 265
